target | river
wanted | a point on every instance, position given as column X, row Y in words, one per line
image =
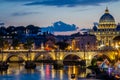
column 43, row 72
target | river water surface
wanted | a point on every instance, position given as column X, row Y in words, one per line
column 43, row 72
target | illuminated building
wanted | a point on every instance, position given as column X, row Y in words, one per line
column 106, row 30
column 84, row 42
column 117, row 41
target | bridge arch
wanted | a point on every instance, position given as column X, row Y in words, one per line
column 43, row 56
column 21, row 56
column 109, row 54
column 72, row 57
column 15, row 58
column 69, row 53
column 103, row 55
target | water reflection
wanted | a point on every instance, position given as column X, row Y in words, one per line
column 42, row 72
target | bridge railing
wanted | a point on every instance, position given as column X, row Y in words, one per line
column 22, row 51
column 25, row 51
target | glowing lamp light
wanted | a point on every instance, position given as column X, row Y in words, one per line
column 117, row 46
column 102, row 45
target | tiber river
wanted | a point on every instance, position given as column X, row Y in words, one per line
column 43, row 72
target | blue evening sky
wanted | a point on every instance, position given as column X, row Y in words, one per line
column 44, row 13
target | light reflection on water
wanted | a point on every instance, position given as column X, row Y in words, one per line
column 42, row 72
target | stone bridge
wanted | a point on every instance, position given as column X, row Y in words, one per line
column 17, row 55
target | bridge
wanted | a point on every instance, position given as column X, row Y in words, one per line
column 34, row 55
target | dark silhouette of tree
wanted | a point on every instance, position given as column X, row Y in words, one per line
column 28, row 43
column 1, row 43
column 1, row 47
column 36, row 30
column 94, row 62
column 15, row 43
column 3, row 31
column 20, row 33
column 11, row 30
column 20, row 30
column 5, row 44
column 31, row 29
column 62, row 45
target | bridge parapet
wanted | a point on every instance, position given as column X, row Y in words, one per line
column 23, row 51
column 53, row 54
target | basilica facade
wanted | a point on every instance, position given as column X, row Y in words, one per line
column 106, row 30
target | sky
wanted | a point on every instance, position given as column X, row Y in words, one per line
column 43, row 13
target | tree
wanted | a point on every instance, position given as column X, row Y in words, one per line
column 11, row 30
column 31, row 29
column 5, row 44
column 15, row 43
column 1, row 47
column 20, row 30
column 3, row 31
column 1, row 43
column 94, row 62
column 62, row 45
column 28, row 44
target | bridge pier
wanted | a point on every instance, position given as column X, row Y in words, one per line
column 88, row 62
column 58, row 64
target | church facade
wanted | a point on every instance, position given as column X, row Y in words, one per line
column 106, row 30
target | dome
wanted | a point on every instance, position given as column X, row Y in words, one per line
column 106, row 17
column 107, row 21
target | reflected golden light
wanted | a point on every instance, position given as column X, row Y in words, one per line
column 69, row 73
column 61, row 74
column 73, row 69
column 82, row 74
column 53, row 73
column 42, row 71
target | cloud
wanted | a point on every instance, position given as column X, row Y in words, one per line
column 1, row 23
column 60, row 27
column 69, row 3
column 18, row 0
column 24, row 13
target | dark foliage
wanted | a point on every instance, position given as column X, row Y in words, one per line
column 62, row 45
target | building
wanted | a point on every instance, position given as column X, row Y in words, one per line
column 106, row 30
column 84, row 42
column 116, row 41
